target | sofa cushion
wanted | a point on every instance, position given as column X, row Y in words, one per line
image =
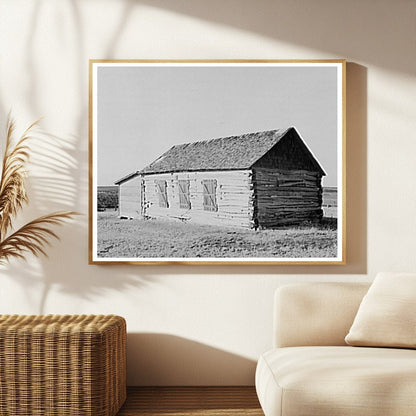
column 342, row 381
column 315, row 314
column 387, row 314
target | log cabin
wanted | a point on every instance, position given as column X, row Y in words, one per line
column 257, row 180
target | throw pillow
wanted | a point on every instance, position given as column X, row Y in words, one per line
column 387, row 314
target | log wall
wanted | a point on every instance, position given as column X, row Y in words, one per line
column 234, row 196
column 130, row 198
column 286, row 197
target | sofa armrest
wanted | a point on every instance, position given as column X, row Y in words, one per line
column 309, row 314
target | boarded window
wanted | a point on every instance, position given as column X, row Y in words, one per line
column 184, row 197
column 162, row 193
column 209, row 187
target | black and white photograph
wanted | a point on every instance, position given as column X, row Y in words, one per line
column 217, row 162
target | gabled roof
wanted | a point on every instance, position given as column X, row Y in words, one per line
column 127, row 178
column 227, row 153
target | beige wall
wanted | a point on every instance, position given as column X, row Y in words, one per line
column 205, row 325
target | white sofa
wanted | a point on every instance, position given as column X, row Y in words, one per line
column 311, row 371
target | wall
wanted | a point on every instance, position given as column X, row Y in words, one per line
column 228, row 210
column 204, row 325
column 130, row 195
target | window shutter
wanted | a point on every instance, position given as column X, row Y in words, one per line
column 209, row 187
column 162, row 191
column 184, row 195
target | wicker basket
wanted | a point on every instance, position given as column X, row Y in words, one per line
column 54, row 365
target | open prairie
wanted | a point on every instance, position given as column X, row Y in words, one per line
column 159, row 238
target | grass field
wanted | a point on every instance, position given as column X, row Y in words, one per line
column 158, row 238
column 330, row 202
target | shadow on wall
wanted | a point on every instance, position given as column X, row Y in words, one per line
column 161, row 359
column 338, row 28
column 73, row 173
column 60, row 182
column 52, row 188
column 356, row 168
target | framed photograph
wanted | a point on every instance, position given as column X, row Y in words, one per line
column 217, row 162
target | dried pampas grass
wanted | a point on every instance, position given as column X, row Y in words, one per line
column 34, row 236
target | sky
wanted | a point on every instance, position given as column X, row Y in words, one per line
column 142, row 111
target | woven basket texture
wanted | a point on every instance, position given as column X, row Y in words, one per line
column 62, row 365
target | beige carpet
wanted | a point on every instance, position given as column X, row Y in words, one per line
column 186, row 401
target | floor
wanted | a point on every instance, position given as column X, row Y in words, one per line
column 195, row 401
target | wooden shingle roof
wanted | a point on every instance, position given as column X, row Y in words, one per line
column 227, row 153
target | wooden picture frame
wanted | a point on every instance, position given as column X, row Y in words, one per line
column 217, row 162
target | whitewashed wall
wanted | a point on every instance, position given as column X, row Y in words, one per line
column 130, row 195
column 204, row 325
column 232, row 192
